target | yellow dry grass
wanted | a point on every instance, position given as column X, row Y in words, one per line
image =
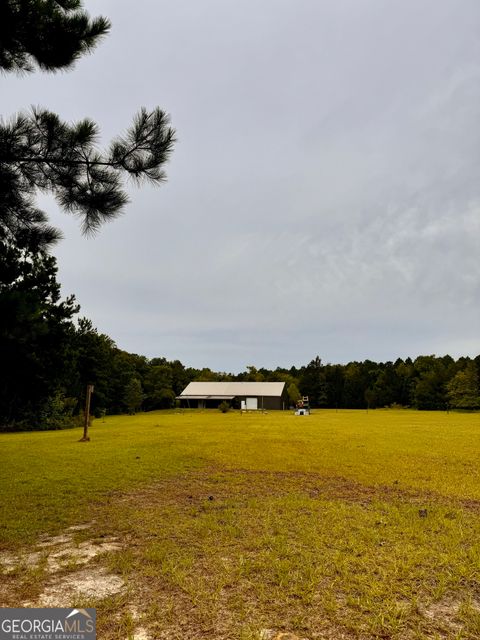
column 336, row 525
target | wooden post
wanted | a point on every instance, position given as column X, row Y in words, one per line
column 86, row 437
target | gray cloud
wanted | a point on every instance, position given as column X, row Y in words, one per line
column 324, row 193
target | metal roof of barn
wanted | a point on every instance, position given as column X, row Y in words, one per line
column 219, row 390
column 187, row 397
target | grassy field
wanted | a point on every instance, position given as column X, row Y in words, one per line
column 337, row 525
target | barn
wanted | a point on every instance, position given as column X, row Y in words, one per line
column 250, row 395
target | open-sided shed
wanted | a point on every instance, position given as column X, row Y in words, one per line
column 252, row 395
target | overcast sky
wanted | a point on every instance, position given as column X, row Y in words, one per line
column 324, row 193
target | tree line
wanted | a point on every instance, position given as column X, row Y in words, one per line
column 50, row 355
column 426, row 383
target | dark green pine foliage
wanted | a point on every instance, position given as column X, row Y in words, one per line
column 433, row 375
column 35, row 340
column 133, row 395
column 313, row 383
column 46, row 33
column 39, row 151
column 94, row 356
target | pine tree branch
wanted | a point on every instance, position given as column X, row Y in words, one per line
column 60, row 161
column 39, row 151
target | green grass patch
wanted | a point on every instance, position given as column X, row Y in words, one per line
column 353, row 523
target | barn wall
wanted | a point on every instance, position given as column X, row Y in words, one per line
column 270, row 403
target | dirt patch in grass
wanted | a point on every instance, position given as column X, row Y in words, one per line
column 58, row 552
column 222, row 484
column 55, row 559
column 51, row 570
column 139, row 634
column 271, row 634
column 447, row 615
column 94, row 583
column 444, row 615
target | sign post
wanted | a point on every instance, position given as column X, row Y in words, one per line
column 86, row 437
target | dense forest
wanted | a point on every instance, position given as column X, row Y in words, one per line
column 49, row 355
